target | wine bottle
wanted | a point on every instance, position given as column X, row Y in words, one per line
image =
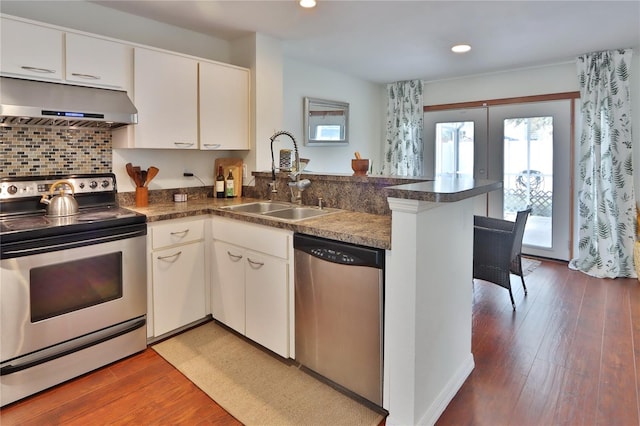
column 220, row 183
column 230, row 188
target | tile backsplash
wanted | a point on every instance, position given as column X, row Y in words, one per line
column 39, row 151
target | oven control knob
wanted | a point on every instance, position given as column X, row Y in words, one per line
column 93, row 184
column 105, row 183
column 81, row 185
column 12, row 189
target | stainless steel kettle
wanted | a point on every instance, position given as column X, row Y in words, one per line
column 62, row 204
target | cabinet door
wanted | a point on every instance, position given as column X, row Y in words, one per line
column 95, row 62
column 166, row 95
column 266, row 302
column 30, row 50
column 224, row 107
column 227, row 285
column 178, row 287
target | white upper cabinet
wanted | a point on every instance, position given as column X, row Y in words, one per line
column 96, row 62
column 31, row 51
column 166, row 96
column 40, row 53
column 224, row 107
column 183, row 102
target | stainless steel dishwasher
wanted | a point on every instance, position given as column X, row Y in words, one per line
column 339, row 313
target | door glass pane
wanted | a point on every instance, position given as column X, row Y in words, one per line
column 528, row 175
column 454, row 148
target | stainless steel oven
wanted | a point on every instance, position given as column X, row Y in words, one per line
column 73, row 289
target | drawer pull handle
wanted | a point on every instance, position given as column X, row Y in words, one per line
column 36, row 69
column 184, row 143
column 254, row 263
column 86, row 76
column 181, row 233
column 170, row 256
column 212, row 145
column 236, row 257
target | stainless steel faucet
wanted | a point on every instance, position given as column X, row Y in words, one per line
column 294, row 175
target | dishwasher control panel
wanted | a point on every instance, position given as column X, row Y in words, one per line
column 339, row 252
column 335, row 256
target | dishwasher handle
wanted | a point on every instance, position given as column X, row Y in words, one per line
column 339, row 252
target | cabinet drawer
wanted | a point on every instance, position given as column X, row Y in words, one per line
column 176, row 232
column 259, row 238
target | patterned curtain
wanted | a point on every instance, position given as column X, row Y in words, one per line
column 403, row 150
column 606, row 198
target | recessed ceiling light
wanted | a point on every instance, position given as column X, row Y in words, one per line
column 308, row 3
column 461, row 48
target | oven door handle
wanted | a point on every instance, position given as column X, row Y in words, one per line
column 62, row 246
column 103, row 336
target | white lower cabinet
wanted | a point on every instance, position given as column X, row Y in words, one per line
column 266, row 312
column 227, row 296
column 178, row 285
column 250, row 289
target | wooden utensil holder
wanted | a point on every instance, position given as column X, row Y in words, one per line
column 142, row 196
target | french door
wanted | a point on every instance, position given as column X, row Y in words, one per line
column 455, row 144
column 527, row 147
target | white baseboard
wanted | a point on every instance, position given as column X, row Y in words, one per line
column 444, row 398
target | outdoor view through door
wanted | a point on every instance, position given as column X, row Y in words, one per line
column 454, row 148
column 528, row 175
column 526, row 146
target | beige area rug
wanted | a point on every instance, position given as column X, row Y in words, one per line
column 254, row 386
column 529, row 265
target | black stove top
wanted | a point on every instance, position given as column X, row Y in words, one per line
column 23, row 216
column 39, row 225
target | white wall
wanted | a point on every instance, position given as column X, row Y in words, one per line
column 263, row 54
column 364, row 98
column 507, row 84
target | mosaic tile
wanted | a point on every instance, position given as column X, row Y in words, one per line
column 39, row 151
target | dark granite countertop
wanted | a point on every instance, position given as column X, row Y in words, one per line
column 367, row 229
column 353, row 227
column 443, row 190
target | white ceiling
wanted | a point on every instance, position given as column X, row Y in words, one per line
column 385, row 41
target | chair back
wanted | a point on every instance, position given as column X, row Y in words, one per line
column 518, row 231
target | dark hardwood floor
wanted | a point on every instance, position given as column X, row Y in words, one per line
column 569, row 355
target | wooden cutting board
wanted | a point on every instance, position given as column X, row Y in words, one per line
column 235, row 164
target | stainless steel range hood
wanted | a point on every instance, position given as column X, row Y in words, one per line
column 37, row 103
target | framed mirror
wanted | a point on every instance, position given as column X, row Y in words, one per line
column 326, row 123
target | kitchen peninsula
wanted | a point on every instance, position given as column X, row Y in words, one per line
column 428, row 296
column 428, row 235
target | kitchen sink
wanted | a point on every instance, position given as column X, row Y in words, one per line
column 259, row 207
column 279, row 210
column 297, row 213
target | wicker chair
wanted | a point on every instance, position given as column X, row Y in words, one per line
column 497, row 246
